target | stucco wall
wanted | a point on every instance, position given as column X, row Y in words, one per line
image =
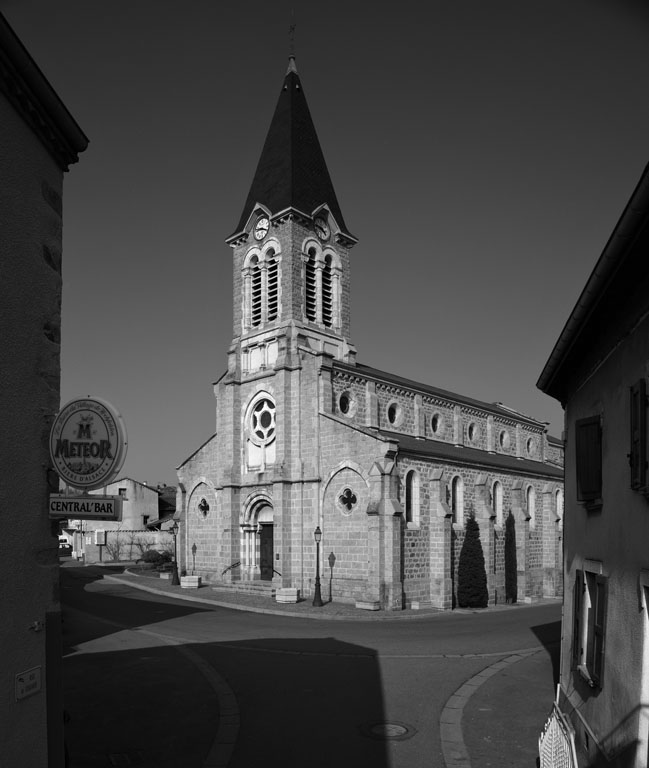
column 30, row 255
column 616, row 536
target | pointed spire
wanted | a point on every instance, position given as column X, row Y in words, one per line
column 292, row 172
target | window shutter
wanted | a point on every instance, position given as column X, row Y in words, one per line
column 638, row 430
column 576, row 617
column 588, row 443
column 598, row 629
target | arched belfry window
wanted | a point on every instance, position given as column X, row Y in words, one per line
column 457, row 499
column 321, row 285
column 273, row 285
column 255, row 303
column 310, row 287
column 327, row 293
column 261, row 287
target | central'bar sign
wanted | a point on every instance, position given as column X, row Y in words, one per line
column 85, row 507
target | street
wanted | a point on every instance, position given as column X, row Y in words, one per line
column 146, row 676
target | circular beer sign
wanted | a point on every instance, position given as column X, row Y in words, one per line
column 88, row 443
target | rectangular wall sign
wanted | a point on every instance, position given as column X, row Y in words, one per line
column 87, row 507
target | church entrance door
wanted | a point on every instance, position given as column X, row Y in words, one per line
column 266, row 552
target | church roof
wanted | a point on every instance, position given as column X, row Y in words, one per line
column 394, row 379
column 463, row 454
column 291, row 172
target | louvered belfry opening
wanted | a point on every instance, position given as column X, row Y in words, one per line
column 327, row 294
column 273, row 286
column 311, row 302
column 256, row 295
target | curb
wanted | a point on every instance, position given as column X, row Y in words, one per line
column 454, row 749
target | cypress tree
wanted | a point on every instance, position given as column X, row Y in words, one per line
column 511, row 580
column 471, row 575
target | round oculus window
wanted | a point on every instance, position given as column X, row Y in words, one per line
column 503, row 439
column 531, row 446
column 394, row 413
column 347, row 404
column 436, row 423
column 473, row 432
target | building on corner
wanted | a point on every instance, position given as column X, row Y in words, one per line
column 598, row 370
column 307, row 437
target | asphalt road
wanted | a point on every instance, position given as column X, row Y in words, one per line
column 140, row 675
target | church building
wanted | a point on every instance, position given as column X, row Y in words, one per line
column 387, row 469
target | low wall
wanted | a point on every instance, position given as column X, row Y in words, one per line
column 122, row 546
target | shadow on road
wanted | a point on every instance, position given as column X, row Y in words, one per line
column 133, row 699
column 549, row 636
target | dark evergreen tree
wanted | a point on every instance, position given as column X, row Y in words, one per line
column 471, row 575
column 511, row 579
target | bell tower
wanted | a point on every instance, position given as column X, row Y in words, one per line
column 290, row 248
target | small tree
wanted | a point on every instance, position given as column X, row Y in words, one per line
column 471, row 575
column 511, row 579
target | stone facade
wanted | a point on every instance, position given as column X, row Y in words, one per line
column 387, row 468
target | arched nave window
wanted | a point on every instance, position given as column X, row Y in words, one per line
column 412, row 497
column 457, row 499
column 530, row 499
column 497, row 501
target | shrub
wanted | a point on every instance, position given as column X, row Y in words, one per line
column 511, row 579
column 153, row 556
column 471, row 574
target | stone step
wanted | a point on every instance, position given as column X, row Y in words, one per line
column 264, row 588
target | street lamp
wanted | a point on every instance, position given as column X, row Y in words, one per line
column 174, row 532
column 317, row 598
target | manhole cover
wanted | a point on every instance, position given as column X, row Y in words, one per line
column 388, row 731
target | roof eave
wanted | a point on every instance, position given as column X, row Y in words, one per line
column 634, row 215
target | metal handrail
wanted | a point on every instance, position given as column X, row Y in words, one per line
column 230, row 567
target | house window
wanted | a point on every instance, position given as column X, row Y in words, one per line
column 412, row 497
column 589, row 614
column 588, row 447
column 497, row 501
column 122, row 492
column 457, row 499
column 638, row 434
column 145, row 519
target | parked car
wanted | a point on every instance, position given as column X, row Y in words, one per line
column 65, row 549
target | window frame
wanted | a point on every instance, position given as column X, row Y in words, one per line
column 638, row 435
column 588, row 460
column 590, row 599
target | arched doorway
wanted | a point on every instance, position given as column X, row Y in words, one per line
column 265, row 533
column 257, row 550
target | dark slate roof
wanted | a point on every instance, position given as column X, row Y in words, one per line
column 434, row 449
column 291, row 172
column 391, row 378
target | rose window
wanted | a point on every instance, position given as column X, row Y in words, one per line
column 262, row 422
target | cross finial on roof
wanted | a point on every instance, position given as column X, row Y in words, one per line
column 291, row 43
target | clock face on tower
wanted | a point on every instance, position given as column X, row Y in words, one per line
column 261, row 228
column 321, row 228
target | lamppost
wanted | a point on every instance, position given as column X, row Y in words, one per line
column 317, row 598
column 174, row 532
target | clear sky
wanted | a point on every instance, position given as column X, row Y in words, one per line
column 482, row 152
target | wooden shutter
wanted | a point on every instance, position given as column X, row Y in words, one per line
column 638, row 435
column 599, row 615
column 588, row 445
column 577, row 602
